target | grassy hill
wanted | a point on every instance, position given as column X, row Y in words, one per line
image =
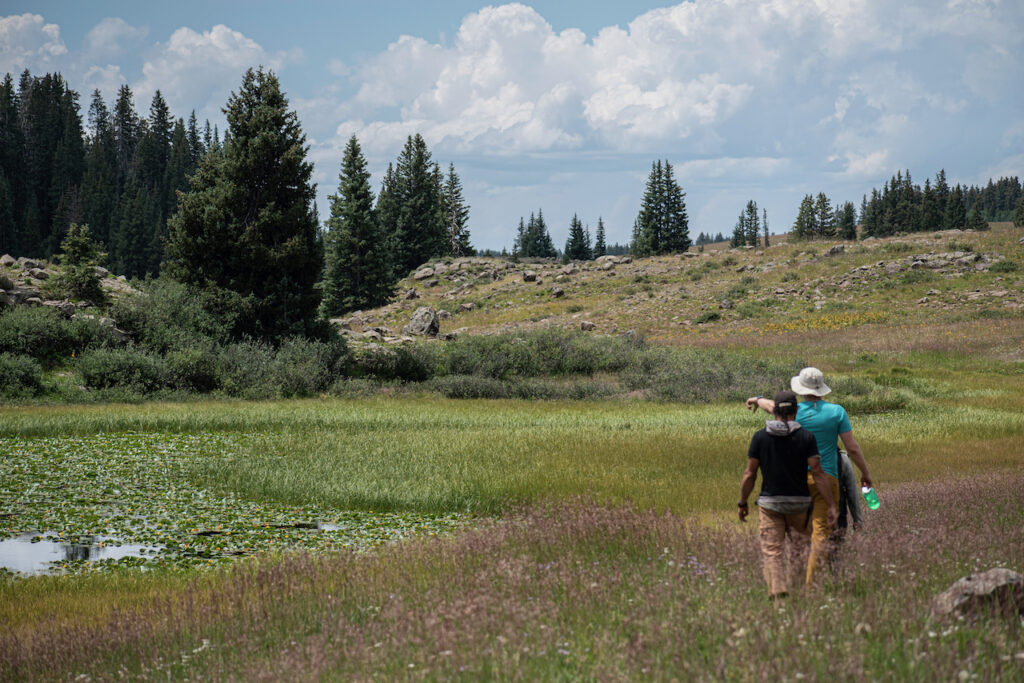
column 901, row 293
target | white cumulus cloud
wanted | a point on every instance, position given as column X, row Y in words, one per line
column 27, row 41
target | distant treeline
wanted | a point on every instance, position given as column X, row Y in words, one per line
column 902, row 206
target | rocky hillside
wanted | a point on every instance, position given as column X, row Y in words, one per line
column 788, row 288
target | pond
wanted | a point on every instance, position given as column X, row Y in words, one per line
column 109, row 501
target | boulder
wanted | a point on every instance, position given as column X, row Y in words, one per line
column 997, row 588
column 726, row 304
column 424, row 323
column 100, row 271
column 607, row 258
column 466, row 307
column 587, row 326
column 7, row 260
column 557, row 292
column 38, row 273
column 893, row 268
column 625, row 259
column 607, row 265
column 569, row 269
column 529, row 276
column 432, row 283
column 835, row 250
column 440, row 269
column 411, row 294
column 28, row 263
column 443, row 314
column 423, row 273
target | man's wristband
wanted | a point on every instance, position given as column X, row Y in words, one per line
column 742, row 504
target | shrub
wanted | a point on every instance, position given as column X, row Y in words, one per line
column 1005, row 266
column 706, row 317
column 193, row 369
column 303, row 367
column 19, row 376
column 6, row 282
column 169, row 315
column 43, row 334
column 129, row 368
column 702, row 376
column 245, row 370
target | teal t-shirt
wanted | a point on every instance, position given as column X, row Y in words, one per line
column 826, row 421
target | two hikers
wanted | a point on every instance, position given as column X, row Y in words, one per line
column 784, row 453
column 828, row 423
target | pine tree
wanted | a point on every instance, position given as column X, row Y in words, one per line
column 533, row 239
column 975, row 221
column 956, row 211
column 577, row 246
column 764, row 226
column 195, row 143
column 357, row 273
column 752, row 224
column 1018, row 214
column 8, row 228
column 247, row 229
column 847, row 223
column 805, row 226
column 824, row 218
column 99, row 184
column 419, row 233
column 941, row 196
column 455, row 215
column 599, row 241
column 739, row 231
column 125, row 129
column 931, row 218
column 662, row 226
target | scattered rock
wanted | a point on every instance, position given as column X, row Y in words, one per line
column 923, row 300
column 101, row 272
column 467, row 307
column 529, row 276
column 432, row 283
column 587, row 326
column 607, row 265
column 411, row 294
column 423, row 274
column 38, row 273
column 7, row 260
column 893, row 268
column 440, row 269
column 28, row 263
column 424, row 323
column 557, row 292
column 569, row 269
column 1000, row 587
column 835, row 250
column 443, row 314
column 726, row 304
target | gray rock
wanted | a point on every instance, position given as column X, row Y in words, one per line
column 557, row 292
column 997, row 588
column 607, row 258
column 442, row 314
column 893, row 268
column 7, row 260
column 726, row 304
column 587, row 326
column 33, row 301
column 625, row 259
column 66, row 308
column 529, row 276
column 569, row 269
column 424, row 323
column 423, row 274
column 373, row 335
column 431, row 283
column 411, row 294
column 101, row 272
column 835, row 250
column 38, row 273
column 607, row 265
column 28, row 263
column 467, row 307
column 440, row 269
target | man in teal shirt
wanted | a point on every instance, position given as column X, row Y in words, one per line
column 827, row 422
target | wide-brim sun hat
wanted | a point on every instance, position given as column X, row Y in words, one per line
column 810, row 382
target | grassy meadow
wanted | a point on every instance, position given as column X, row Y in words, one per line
column 403, row 535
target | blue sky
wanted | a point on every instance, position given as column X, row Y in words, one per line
column 564, row 105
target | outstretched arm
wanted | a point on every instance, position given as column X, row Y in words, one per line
column 857, row 456
column 765, row 404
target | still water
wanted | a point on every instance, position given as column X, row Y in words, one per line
column 20, row 554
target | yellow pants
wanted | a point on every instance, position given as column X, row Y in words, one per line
column 820, row 531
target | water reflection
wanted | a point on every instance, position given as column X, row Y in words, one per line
column 21, row 555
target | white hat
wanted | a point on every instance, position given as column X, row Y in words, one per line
column 810, row 382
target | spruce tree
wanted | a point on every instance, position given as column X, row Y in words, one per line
column 764, row 226
column 752, row 224
column 1018, row 214
column 599, row 240
column 8, row 228
column 824, row 217
column 577, row 246
column 975, row 221
column 455, row 215
column 847, row 223
column 662, row 226
column 247, row 229
column 956, row 211
column 419, row 233
column 805, row 225
column 357, row 273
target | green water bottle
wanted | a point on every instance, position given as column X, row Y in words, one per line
column 870, row 497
